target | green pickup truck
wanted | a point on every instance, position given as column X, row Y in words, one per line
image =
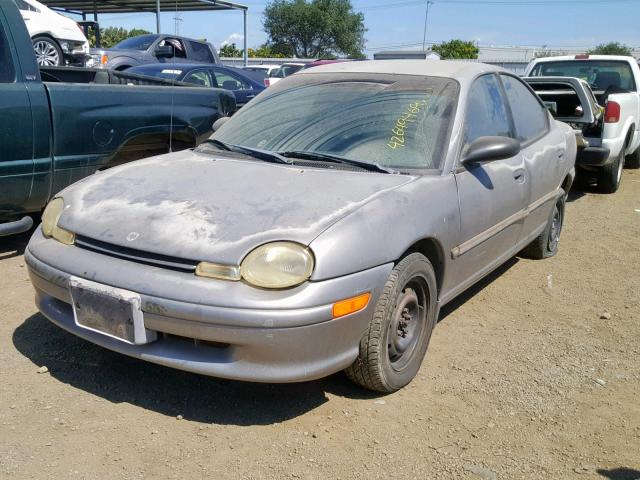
column 53, row 133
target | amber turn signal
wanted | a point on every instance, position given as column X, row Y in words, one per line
column 350, row 305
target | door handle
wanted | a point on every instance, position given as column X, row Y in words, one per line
column 520, row 175
column 251, row 96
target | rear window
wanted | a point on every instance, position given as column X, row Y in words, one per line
column 7, row 71
column 201, row 52
column 599, row 74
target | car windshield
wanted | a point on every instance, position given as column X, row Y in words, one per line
column 141, row 42
column 285, row 71
column 396, row 121
column 165, row 72
column 599, row 74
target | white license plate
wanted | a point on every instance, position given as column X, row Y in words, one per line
column 110, row 311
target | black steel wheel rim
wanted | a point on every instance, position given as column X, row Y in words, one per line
column 407, row 323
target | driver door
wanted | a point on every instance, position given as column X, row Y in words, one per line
column 493, row 195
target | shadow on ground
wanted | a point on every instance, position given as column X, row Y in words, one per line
column 14, row 245
column 119, row 378
column 620, row 474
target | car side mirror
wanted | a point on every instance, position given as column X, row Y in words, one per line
column 218, row 123
column 489, row 149
column 165, row 51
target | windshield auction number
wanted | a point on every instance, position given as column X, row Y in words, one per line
column 410, row 115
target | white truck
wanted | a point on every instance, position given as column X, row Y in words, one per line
column 57, row 40
column 609, row 130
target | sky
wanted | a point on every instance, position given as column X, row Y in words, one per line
column 398, row 24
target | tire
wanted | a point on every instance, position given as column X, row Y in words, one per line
column 546, row 244
column 48, row 52
column 633, row 160
column 392, row 349
column 609, row 176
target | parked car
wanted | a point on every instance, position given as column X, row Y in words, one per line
column 57, row 40
column 283, row 71
column 241, row 83
column 282, row 251
column 154, row 48
column 265, row 69
column 53, row 134
column 614, row 140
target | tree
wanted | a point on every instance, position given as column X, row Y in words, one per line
column 230, row 50
column 457, row 49
column 264, row 51
column 315, row 28
column 111, row 35
column 611, row 48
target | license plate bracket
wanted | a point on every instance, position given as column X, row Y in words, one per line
column 110, row 311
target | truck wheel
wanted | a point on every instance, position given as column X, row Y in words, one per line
column 610, row 175
column 633, row 160
column 546, row 244
column 48, row 53
column 392, row 349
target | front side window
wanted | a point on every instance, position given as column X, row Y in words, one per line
column 178, row 47
column 397, row 121
column 486, row 114
column 529, row 116
column 7, row 70
column 24, row 6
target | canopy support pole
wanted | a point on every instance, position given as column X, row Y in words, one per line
column 157, row 16
column 246, row 50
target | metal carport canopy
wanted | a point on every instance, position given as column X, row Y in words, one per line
column 84, row 7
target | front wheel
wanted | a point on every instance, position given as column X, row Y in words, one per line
column 395, row 344
column 48, row 53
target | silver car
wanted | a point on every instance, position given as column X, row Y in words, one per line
column 320, row 228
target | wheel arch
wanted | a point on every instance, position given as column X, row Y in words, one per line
column 432, row 249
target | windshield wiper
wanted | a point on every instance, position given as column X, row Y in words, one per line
column 328, row 157
column 265, row 155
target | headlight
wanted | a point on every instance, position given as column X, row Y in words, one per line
column 50, row 226
column 277, row 265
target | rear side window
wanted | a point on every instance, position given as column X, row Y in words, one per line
column 201, row 52
column 7, row 70
column 486, row 114
column 199, row 77
column 22, row 5
column 529, row 116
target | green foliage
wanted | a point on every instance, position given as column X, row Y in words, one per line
column 457, row 49
column 230, row 50
column 264, row 51
column 611, row 48
column 314, row 28
column 111, row 35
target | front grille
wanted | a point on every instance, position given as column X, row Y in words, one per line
column 147, row 258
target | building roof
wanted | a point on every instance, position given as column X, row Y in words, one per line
column 132, row 6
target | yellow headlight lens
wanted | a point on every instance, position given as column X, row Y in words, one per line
column 277, row 265
column 50, row 226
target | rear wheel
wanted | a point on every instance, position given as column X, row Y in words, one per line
column 610, row 175
column 546, row 244
column 48, row 53
column 394, row 346
column 633, row 160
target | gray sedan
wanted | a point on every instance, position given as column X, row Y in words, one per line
column 321, row 228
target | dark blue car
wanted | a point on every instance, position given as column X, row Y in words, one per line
column 241, row 83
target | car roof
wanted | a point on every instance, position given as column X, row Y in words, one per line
column 435, row 68
column 590, row 57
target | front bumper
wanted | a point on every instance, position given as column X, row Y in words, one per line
column 288, row 338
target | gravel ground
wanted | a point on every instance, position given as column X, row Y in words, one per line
column 531, row 374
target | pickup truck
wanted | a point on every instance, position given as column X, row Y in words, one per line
column 53, row 134
column 608, row 116
column 154, row 48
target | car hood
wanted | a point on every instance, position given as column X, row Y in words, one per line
column 201, row 206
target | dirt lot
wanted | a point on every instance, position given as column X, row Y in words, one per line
column 533, row 374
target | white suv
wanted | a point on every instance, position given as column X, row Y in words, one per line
column 57, row 40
